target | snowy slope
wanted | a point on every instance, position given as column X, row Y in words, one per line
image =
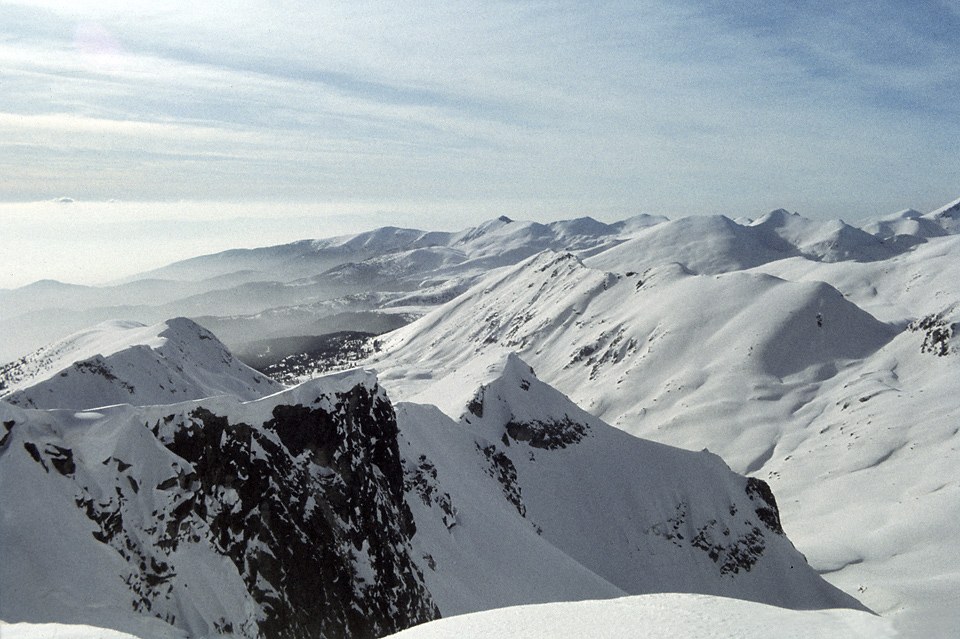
column 661, row 616
column 127, row 362
column 717, row 244
column 634, row 349
column 317, row 512
column 636, row 516
column 245, row 283
column 281, row 280
column 908, row 226
column 818, row 357
column 708, row 244
column 948, row 217
column 403, row 253
column 831, row 241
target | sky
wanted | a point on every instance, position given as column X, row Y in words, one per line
column 148, row 131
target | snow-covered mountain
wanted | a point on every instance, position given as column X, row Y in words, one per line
column 301, row 285
column 527, row 498
column 630, row 348
column 284, row 517
column 947, row 216
column 833, row 379
column 126, row 362
column 320, row 512
column 817, row 357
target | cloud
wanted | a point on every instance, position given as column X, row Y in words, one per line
column 606, row 104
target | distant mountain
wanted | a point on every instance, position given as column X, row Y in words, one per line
column 321, row 512
column 910, row 225
column 707, row 244
column 126, row 362
column 235, row 287
column 231, row 290
column 831, row 241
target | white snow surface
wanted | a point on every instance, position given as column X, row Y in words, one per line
column 660, row 616
column 58, row 631
column 126, row 362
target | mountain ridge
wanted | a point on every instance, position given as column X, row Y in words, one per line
column 129, row 362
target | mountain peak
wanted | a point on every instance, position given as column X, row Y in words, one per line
column 516, row 406
column 122, row 361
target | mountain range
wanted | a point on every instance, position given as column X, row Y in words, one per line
column 815, row 361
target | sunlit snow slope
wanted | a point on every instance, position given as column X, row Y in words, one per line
column 661, row 616
column 126, row 362
column 819, row 357
column 528, row 498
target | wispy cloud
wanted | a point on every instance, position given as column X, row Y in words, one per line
column 706, row 106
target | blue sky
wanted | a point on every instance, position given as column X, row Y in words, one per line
column 446, row 113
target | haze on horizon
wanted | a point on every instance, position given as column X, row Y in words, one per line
column 168, row 124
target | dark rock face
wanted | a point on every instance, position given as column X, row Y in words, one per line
column 731, row 551
column 548, row 435
column 938, row 334
column 315, row 519
column 767, row 511
column 307, row 506
column 502, row 469
column 421, row 479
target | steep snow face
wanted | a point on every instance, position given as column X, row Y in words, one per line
column 529, row 498
column 660, row 616
column 874, row 457
column 127, row 362
column 283, row 517
column 319, row 512
column 784, row 370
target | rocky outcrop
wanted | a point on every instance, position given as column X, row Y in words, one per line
column 304, row 496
